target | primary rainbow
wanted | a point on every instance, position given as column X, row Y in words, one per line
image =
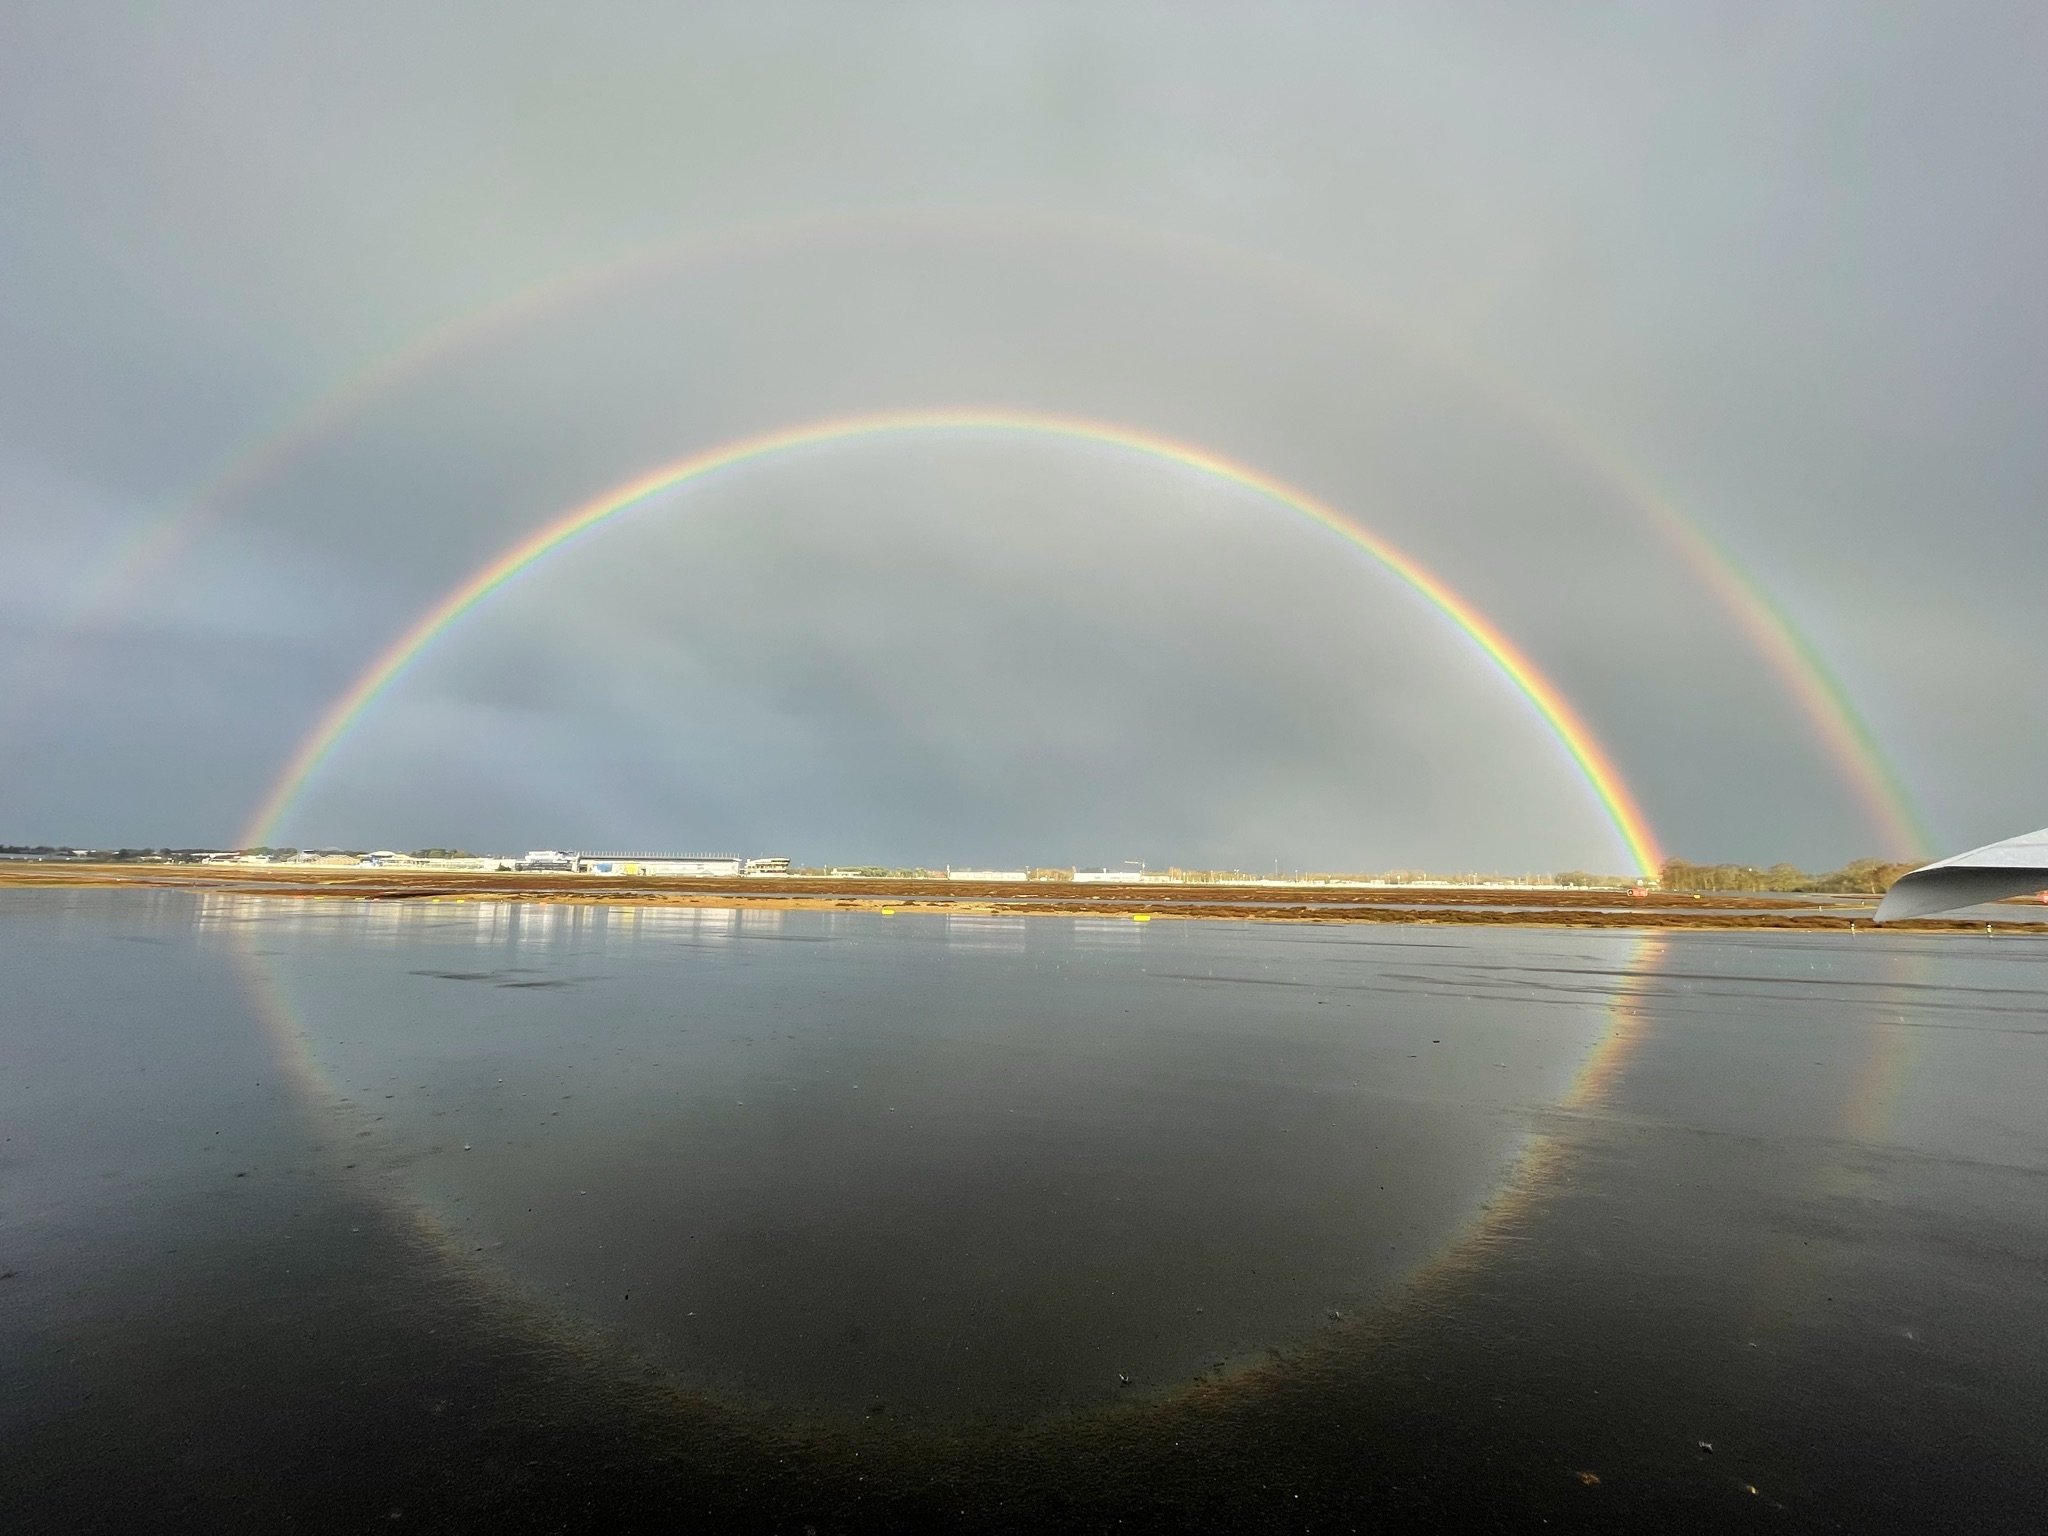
column 1825, row 703
column 1593, row 761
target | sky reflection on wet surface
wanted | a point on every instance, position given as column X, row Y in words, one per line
column 1369, row 1207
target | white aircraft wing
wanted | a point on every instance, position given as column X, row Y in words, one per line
column 2014, row 867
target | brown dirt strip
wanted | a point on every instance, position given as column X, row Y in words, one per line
column 1415, row 906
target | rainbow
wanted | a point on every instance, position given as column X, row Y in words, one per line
column 1820, row 696
column 1545, row 1161
column 1592, row 760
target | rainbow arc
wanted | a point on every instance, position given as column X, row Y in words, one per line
column 1591, row 758
column 1823, row 701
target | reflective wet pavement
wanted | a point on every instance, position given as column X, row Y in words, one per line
column 1330, row 1230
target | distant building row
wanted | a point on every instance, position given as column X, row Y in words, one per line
column 729, row 866
column 545, row 860
column 699, row 865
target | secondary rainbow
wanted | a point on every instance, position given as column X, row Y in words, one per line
column 1593, row 761
column 1822, row 699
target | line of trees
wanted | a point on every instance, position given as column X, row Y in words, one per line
column 105, row 855
column 1859, row 877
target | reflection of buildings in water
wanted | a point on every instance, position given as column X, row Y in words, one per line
column 682, row 924
column 1108, row 932
column 242, row 918
column 986, row 934
column 629, row 924
column 492, row 922
column 232, row 911
column 444, row 920
column 711, row 923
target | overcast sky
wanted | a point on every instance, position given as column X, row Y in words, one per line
column 334, row 303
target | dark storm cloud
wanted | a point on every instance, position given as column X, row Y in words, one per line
column 1783, row 261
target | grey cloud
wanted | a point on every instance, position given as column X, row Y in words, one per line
column 1784, row 262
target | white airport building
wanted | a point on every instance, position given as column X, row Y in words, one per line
column 1125, row 876
column 698, row 865
column 384, row 858
column 549, row 860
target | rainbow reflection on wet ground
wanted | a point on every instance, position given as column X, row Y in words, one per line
column 528, row 1217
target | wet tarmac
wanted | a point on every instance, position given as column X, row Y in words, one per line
column 320, row 1216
